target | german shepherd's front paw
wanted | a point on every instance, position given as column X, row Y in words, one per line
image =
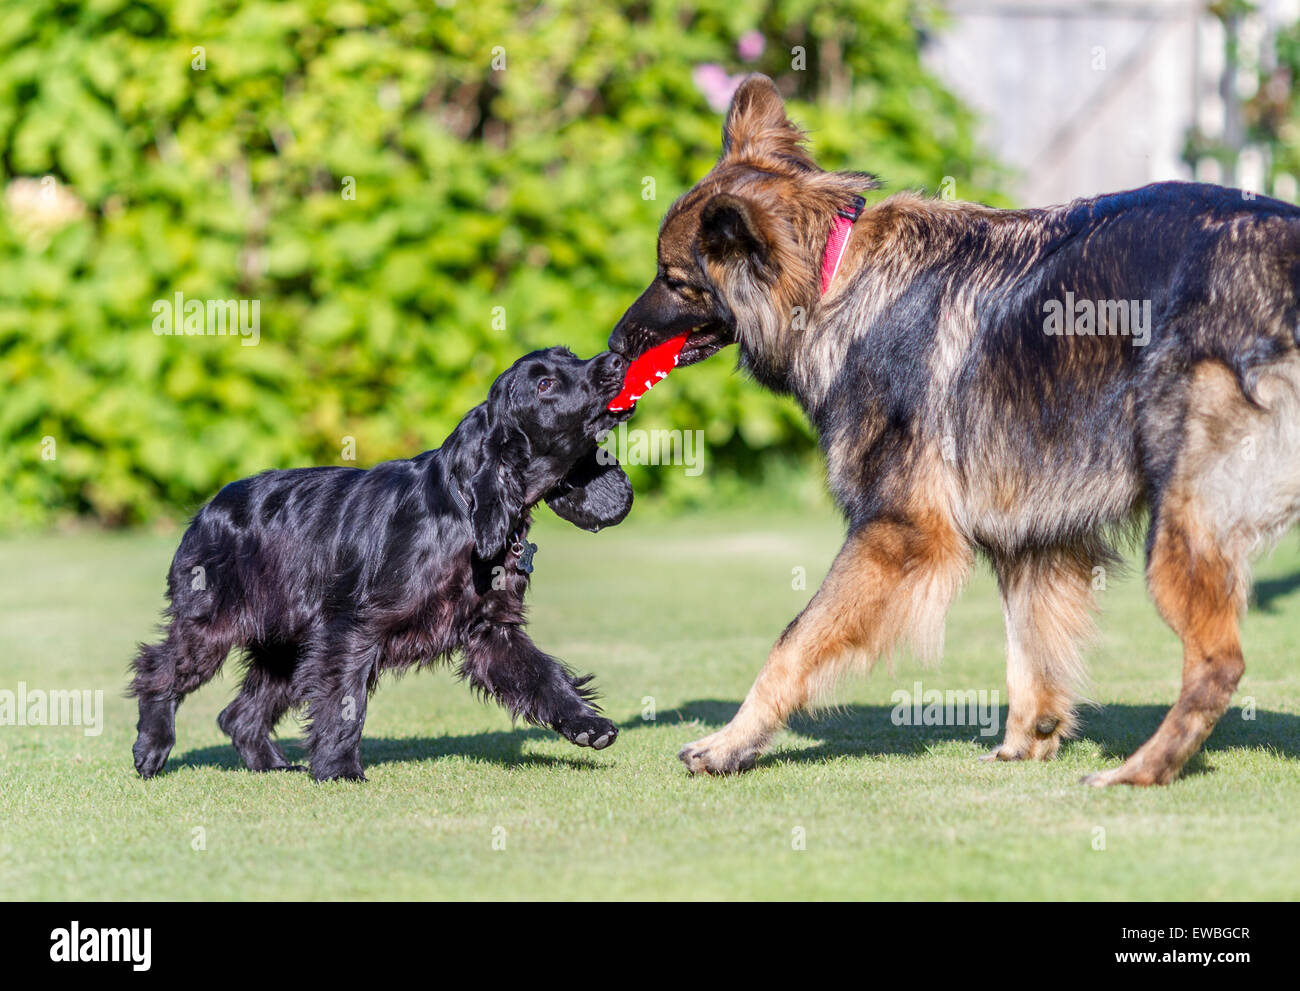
column 587, row 730
column 716, row 754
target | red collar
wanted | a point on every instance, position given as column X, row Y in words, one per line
column 838, row 238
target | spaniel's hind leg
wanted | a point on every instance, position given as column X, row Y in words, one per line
column 891, row 580
column 264, row 697
column 164, row 674
column 1047, row 601
column 503, row 662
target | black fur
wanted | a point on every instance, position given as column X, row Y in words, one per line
column 326, row 577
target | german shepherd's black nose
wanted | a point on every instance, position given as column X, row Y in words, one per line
column 618, row 338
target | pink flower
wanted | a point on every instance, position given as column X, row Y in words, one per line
column 717, row 86
column 751, row 45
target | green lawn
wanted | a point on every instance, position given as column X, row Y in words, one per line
column 677, row 614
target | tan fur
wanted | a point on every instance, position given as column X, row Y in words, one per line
column 1225, row 503
column 1200, row 593
column 1047, row 601
column 1240, row 459
column 891, row 582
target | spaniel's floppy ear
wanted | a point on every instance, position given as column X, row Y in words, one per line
column 595, row 493
column 497, row 489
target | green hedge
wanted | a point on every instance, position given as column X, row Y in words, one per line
column 207, row 148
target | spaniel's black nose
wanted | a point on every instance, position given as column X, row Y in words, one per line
column 608, row 369
column 611, row 360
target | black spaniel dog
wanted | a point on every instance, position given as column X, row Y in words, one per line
column 327, row 577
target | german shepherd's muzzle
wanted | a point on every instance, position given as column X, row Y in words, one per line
column 1022, row 384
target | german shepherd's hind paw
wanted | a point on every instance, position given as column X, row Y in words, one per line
column 1043, row 744
column 1122, row 775
column 1102, row 779
column 1037, row 750
column 1002, row 752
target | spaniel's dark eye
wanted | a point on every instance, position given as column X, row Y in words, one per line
column 545, row 385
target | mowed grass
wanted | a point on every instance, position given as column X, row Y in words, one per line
column 674, row 616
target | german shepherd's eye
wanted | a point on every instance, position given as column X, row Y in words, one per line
column 545, row 386
column 688, row 290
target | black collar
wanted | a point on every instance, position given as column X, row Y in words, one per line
column 457, row 497
column 520, row 546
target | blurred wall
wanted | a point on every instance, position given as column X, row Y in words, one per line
column 1089, row 96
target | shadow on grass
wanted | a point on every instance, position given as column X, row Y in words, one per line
column 854, row 730
column 857, row 730
column 1269, row 591
column 503, row 748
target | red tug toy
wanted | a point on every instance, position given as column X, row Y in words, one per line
column 645, row 372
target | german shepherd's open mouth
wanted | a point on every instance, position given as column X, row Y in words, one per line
column 704, row 342
column 706, row 334
column 713, row 251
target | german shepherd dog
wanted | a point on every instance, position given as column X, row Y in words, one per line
column 978, row 386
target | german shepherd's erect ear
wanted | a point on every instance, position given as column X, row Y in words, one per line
column 757, row 127
column 758, row 133
column 757, row 220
